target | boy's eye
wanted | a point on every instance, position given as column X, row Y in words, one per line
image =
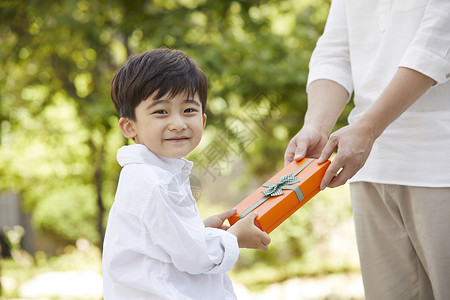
column 160, row 112
column 190, row 110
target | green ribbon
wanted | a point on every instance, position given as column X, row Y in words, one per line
column 276, row 189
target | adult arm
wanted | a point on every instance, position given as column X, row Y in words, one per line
column 354, row 142
column 426, row 62
column 327, row 95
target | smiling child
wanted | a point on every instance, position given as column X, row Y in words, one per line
column 156, row 244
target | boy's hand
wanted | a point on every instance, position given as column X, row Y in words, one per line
column 216, row 221
column 248, row 235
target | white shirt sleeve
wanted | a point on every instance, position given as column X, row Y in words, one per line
column 429, row 51
column 180, row 237
column 331, row 58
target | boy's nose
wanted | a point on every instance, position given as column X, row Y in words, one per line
column 177, row 123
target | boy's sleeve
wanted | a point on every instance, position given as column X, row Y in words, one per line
column 180, row 237
column 429, row 52
column 331, row 57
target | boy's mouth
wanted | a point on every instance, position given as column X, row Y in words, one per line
column 177, row 139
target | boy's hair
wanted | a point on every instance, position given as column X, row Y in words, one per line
column 164, row 71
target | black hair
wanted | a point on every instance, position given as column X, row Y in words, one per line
column 164, row 71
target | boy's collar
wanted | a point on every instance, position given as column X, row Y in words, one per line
column 140, row 154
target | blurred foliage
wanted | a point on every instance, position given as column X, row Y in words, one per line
column 58, row 133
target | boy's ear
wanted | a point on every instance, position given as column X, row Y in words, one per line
column 204, row 120
column 127, row 127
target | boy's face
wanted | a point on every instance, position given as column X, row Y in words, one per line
column 168, row 127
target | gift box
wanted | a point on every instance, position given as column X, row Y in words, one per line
column 283, row 194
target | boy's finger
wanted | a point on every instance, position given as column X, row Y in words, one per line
column 252, row 216
column 227, row 214
column 263, row 246
column 266, row 239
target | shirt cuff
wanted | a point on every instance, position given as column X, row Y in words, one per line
column 331, row 73
column 427, row 63
column 230, row 250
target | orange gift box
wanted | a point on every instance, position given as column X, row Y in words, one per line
column 283, row 194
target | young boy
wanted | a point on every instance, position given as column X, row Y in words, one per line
column 156, row 244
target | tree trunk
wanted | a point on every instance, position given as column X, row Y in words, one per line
column 0, row 270
column 97, row 154
column 100, row 206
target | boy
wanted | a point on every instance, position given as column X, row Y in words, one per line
column 156, row 244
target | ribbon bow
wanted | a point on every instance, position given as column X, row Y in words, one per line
column 277, row 189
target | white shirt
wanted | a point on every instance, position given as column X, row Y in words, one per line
column 156, row 245
column 363, row 45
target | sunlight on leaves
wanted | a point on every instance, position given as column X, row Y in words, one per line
column 83, row 84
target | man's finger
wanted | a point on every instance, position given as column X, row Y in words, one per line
column 300, row 150
column 290, row 152
column 342, row 177
column 330, row 174
column 300, row 153
column 327, row 151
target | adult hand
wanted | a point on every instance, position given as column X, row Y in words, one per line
column 353, row 144
column 308, row 142
column 248, row 235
